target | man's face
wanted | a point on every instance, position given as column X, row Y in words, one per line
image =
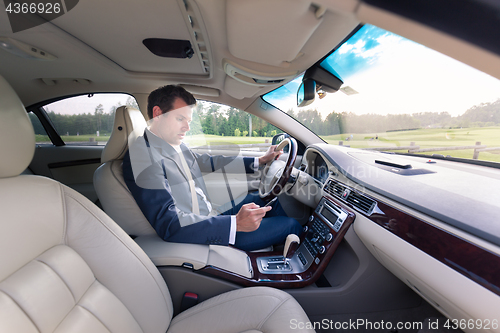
column 173, row 125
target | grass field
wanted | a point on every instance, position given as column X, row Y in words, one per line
column 429, row 138
column 73, row 138
column 425, row 138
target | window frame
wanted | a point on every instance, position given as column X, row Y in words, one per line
column 50, row 129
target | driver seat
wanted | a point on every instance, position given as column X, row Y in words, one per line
column 120, row 205
column 67, row 266
column 111, row 189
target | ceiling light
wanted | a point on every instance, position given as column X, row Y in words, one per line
column 24, row 50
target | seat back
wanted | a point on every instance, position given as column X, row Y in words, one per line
column 113, row 193
column 65, row 265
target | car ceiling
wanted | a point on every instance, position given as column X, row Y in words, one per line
column 99, row 45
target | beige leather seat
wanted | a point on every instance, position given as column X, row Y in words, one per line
column 113, row 193
column 120, row 205
column 67, row 267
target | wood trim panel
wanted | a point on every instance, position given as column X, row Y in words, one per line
column 470, row 260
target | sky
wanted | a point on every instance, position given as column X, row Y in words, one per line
column 393, row 75
column 84, row 104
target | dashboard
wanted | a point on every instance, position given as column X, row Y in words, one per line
column 422, row 219
column 440, row 189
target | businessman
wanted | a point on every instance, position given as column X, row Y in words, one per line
column 165, row 178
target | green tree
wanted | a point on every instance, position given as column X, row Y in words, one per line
column 99, row 111
column 333, row 124
column 208, row 125
column 37, row 126
column 131, row 102
column 195, row 127
column 237, row 132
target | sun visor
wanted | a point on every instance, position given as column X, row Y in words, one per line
column 174, row 34
column 270, row 41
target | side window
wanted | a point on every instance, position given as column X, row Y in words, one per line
column 86, row 119
column 216, row 124
column 40, row 133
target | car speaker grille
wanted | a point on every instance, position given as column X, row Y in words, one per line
column 357, row 200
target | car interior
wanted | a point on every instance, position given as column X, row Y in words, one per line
column 391, row 242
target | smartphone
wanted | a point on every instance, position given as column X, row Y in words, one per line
column 271, row 202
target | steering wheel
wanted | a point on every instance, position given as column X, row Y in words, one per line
column 276, row 173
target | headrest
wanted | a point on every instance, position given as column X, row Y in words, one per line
column 17, row 137
column 127, row 121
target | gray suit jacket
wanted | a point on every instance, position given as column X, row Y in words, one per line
column 154, row 174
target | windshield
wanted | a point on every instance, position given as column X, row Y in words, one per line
column 401, row 96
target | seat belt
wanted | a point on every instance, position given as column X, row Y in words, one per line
column 188, row 300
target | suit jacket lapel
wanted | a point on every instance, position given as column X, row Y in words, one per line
column 168, row 152
column 165, row 150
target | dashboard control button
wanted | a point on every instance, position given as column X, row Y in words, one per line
column 322, row 250
column 329, row 237
column 302, row 259
column 311, row 218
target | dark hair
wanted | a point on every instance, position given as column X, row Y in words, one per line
column 165, row 96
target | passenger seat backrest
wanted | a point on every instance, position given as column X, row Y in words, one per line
column 113, row 193
column 65, row 265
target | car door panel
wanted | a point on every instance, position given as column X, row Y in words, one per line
column 73, row 166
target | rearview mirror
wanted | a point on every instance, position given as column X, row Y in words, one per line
column 306, row 92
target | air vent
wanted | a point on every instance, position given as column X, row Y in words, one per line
column 361, row 202
column 199, row 40
column 254, row 78
column 259, row 81
column 357, row 200
column 334, row 189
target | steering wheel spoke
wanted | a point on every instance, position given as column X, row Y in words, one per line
column 277, row 172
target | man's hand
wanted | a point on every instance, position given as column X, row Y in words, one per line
column 249, row 217
column 270, row 155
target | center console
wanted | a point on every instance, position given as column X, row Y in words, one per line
column 321, row 237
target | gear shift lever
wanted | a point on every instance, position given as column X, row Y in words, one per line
column 291, row 244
